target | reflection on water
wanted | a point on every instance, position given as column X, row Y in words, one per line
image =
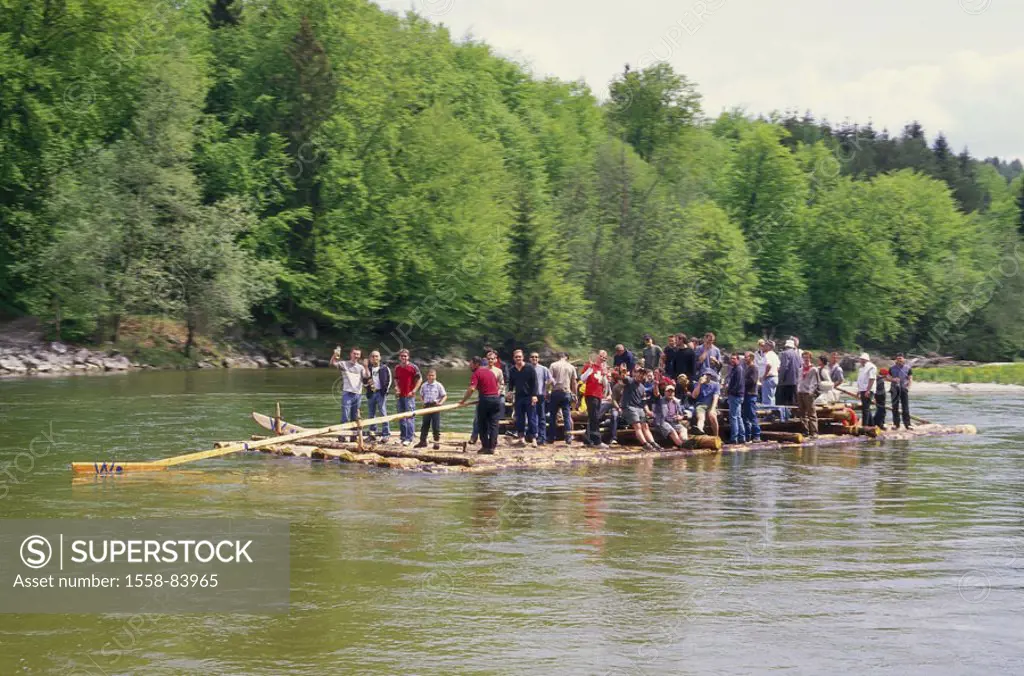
column 901, row 556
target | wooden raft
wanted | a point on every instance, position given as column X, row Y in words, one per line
column 509, row 456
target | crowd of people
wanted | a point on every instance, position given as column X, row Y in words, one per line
column 663, row 395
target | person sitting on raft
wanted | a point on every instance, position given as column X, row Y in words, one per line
column 706, row 394
column 633, row 412
column 669, row 417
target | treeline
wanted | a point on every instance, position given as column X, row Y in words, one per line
column 314, row 165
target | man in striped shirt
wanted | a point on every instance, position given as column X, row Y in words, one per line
column 432, row 394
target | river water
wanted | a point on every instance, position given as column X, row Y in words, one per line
column 901, row 557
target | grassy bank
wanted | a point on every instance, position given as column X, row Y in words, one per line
column 1004, row 374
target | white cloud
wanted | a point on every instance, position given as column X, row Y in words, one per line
column 973, row 99
column 879, row 60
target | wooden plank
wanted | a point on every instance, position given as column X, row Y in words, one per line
column 121, row 467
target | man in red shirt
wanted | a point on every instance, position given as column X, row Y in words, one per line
column 594, row 377
column 488, row 407
column 408, row 379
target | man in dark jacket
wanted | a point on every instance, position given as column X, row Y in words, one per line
column 377, row 388
column 623, row 357
column 879, row 419
column 670, row 358
column 736, row 387
column 901, row 377
column 789, row 374
column 522, row 382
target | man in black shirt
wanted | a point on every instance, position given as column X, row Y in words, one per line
column 670, row 358
column 685, row 358
column 522, row 382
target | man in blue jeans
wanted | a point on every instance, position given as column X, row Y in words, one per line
column 522, row 380
column 353, row 374
column 543, row 388
column 563, row 390
column 409, row 379
column 736, row 388
column 377, row 394
column 750, row 423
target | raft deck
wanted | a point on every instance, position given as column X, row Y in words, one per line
column 452, row 458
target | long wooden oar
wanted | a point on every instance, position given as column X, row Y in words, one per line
column 912, row 417
column 166, row 463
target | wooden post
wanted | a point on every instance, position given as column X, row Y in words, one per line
column 277, row 418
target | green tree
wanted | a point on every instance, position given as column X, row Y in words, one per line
column 214, row 281
column 853, row 277
column 766, row 194
column 651, row 107
column 711, row 275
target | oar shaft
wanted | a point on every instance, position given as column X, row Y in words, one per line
column 912, row 416
column 116, row 468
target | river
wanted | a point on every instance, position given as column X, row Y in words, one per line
column 901, row 557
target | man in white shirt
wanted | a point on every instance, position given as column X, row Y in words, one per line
column 353, row 373
column 759, row 363
column 769, row 375
column 563, row 392
column 866, row 385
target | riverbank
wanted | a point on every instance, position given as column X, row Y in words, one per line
column 160, row 345
column 964, row 377
column 60, row 359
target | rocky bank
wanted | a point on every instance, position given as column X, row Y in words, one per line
column 56, row 358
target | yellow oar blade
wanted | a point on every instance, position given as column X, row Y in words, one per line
column 114, row 468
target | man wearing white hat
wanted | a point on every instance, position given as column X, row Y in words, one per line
column 789, row 374
column 866, row 385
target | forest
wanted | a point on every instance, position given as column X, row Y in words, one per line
column 325, row 168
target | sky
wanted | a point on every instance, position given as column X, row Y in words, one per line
column 956, row 66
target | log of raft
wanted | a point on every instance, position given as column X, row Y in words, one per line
column 511, row 457
column 385, row 452
column 627, row 437
column 783, row 437
column 704, row 441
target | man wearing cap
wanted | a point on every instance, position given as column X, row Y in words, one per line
column 652, row 353
column 900, row 378
column 865, row 385
column 880, row 382
column 789, row 374
column 669, row 417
